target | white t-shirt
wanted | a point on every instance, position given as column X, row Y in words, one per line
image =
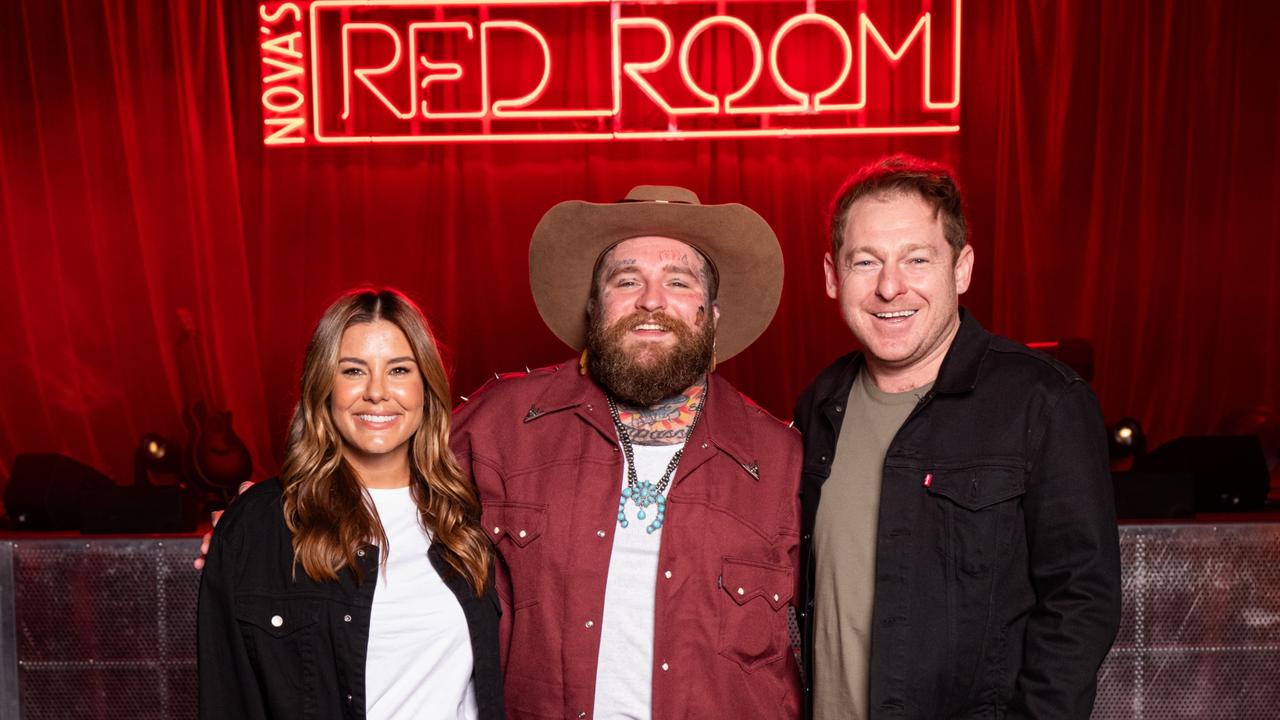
column 624, row 671
column 419, row 662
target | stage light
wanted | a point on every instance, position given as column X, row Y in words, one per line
column 154, row 446
column 1127, row 439
column 154, row 454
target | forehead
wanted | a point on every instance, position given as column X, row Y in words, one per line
column 374, row 337
column 892, row 218
column 653, row 250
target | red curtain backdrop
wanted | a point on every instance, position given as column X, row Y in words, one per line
column 1120, row 161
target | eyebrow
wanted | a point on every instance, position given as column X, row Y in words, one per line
column 392, row 361
column 668, row 268
column 907, row 251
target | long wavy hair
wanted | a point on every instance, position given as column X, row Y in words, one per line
column 325, row 506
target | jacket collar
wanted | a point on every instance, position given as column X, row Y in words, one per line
column 724, row 423
column 960, row 367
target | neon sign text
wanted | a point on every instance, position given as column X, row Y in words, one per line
column 400, row 71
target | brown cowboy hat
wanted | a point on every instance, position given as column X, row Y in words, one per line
column 741, row 246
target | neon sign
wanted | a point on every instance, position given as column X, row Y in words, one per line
column 407, row 71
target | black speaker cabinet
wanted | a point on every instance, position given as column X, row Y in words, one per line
column 1230, row 471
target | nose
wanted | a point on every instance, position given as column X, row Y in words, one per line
column 652, row 298
column 889, row 284
column 375, row 391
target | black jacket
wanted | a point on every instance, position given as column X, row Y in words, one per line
column 271, row 646
column 997, row 582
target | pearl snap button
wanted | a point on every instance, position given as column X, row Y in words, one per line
column 590, row 624
column 741, row 591
column 665, row 667
column 523, row 533
column 599, row 533
column 667, row 574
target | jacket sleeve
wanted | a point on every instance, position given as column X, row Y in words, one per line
column 228, row 686
column 467, row 429
column 1074, row 555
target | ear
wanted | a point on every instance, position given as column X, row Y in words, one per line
column 833, row 280
column 964, row 269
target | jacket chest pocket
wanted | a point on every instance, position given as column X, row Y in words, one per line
column 515, row 530
column 981, row 507
column 280, row 637
column 753, row 598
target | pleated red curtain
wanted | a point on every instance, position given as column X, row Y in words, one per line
column 1120, row 162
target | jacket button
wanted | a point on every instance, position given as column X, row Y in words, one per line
column 349, row 698
column 346, row 618
column 839, row 408
column 360, row 553
column 667, row 574
column 600, row 533
column 822, row 459
column 276, row 621
column 497, row 530
column 582, row 714
column 665, row 667
column 523, row 533
column 589, row 624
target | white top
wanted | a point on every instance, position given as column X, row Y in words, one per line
column 419, row 662
column 624, row 671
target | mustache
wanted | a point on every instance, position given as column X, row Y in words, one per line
column 658, row 317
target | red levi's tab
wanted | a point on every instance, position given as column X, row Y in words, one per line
column 928, row 479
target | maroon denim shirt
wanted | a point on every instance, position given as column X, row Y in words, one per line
column 543, row 451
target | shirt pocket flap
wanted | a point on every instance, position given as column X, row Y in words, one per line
column 979, row 487
column 522, row 523
column 746, row 580
column 277, row 617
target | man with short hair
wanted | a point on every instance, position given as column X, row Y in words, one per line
column 959, row 538
column 646, row 515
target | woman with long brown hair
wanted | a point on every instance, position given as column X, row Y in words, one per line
column 358, row 583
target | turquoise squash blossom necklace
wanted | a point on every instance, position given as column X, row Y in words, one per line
column 644, row 494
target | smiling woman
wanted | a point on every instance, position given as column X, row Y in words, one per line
column 394, row 609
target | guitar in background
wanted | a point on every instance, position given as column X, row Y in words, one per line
column 215, row 458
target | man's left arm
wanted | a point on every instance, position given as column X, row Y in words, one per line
column 1074, row 555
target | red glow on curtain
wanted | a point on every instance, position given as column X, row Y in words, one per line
column 1120, row 162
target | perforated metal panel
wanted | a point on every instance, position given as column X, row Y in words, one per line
column 105, row 628
column 1200, row 635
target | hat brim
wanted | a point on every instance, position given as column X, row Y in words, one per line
column 572, row 236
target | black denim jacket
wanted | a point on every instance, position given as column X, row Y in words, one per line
column 275, row 645
column 997, row 581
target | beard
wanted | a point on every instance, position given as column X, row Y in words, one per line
column 644, row 376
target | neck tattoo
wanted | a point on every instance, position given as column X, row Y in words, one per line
column 665, row 423
column 644, row 494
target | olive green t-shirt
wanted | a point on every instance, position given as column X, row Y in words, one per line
column 844, row 540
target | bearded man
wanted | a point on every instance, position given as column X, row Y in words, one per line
column 646, row 515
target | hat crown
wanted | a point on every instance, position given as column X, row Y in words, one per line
column 662, row 194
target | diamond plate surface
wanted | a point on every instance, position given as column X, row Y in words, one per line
column 106, row 629
column 1200, row 631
